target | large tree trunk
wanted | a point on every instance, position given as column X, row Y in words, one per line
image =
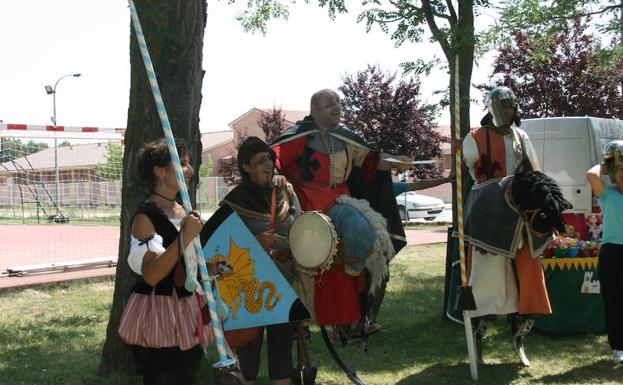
column 174, row 33
column 463, row 47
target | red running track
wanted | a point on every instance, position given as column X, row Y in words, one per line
column 34, row 244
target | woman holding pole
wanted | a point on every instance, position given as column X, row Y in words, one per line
column 163, row 322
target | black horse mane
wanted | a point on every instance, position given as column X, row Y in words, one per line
column 535, row 190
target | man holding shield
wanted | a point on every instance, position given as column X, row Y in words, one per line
column 267, row 206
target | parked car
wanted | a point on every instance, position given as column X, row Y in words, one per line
column 412, row 205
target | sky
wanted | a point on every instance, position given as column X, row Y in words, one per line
column 43, row 40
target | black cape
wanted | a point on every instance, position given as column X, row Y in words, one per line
column 380, row 192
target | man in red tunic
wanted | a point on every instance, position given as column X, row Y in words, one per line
column 318, row 156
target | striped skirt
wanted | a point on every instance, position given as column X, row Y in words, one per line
column 162, row 321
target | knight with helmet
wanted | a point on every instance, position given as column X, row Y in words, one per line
column 505, row 231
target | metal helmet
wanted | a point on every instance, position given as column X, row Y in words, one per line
column 613, row 156
column 498, row 99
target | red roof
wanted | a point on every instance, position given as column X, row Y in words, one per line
column 210, row 140
column 291, row 116
column 76, row 156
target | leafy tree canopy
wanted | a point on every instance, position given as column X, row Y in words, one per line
column 272, row 123
column 12, row 148
column 390, row 115
column 561, row 78
column 206, row 168
column 540, row 18
column 111, row 170
column 541, row 21
column 405, row 20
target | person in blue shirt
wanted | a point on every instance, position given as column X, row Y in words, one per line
column 611, row 252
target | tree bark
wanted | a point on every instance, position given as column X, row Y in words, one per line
column 174, row 32
column 463, row 47
column 618, row 62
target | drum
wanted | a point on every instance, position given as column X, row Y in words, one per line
column 313, row 241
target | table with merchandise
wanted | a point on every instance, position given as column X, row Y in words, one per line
column 570, row 268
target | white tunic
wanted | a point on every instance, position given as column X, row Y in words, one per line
column 492, row 277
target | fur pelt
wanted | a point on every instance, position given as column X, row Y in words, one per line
column 383, row 250
column 535, row 190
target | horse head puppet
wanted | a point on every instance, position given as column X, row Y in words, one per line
column 539, row 199
column 500, row 214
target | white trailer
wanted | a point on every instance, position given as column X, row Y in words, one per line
column 568, row 147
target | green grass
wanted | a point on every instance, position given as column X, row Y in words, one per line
column 54, row 335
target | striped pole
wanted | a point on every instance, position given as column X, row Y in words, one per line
column 458, row 158
column 175, row 159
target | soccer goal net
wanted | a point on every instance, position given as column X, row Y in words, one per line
column 60, row 196
column 60, row 193
column 60, row 179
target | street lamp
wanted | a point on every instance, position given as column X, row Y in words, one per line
column 52, row 90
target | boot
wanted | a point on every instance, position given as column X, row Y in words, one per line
column 519, row 334
column 479, row 333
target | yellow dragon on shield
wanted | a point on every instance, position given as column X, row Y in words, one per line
column 243, row 279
